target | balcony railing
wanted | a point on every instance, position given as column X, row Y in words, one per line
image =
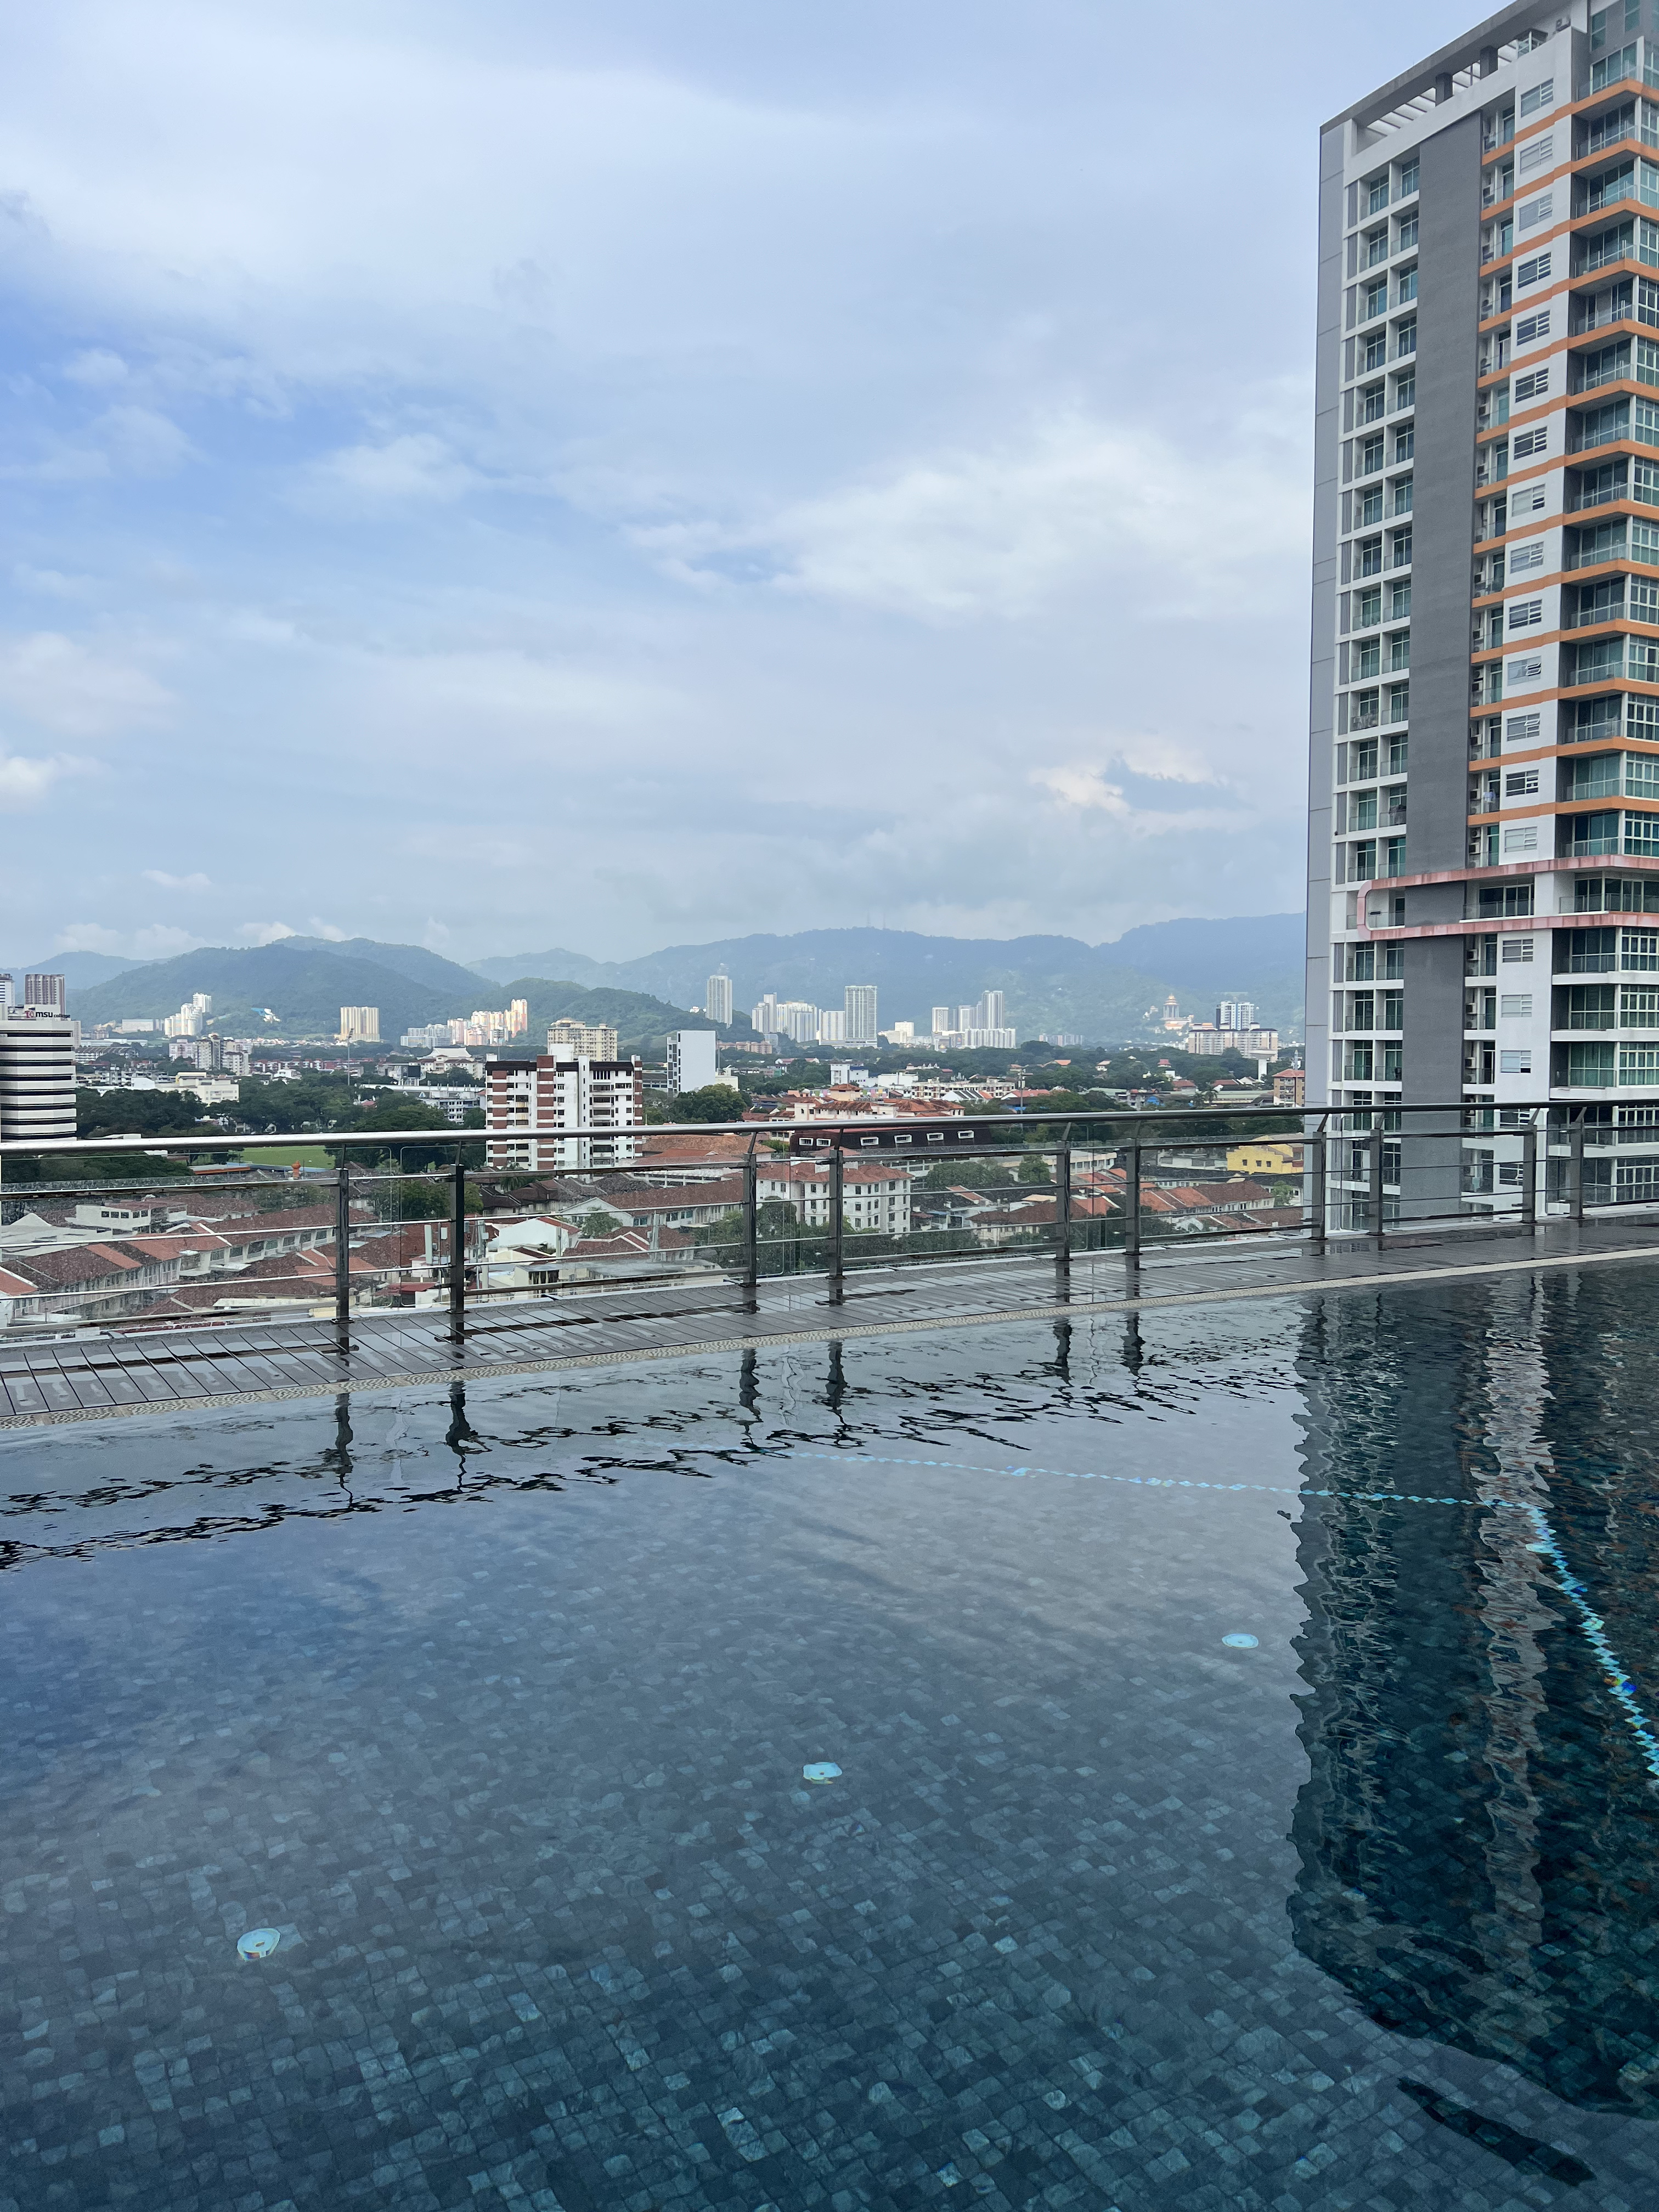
column 1598, row 314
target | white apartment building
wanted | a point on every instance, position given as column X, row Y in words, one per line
column 191, row 1018
column 981, row 1028
column 572, row 1040
column 692, row 1060
column 1484, row 848
column 37, row 1073
column 717, row 998
column 360, row 1025
column 603, row 1097
column 873, row 1198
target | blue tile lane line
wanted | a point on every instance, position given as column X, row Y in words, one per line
column 1621, row 1683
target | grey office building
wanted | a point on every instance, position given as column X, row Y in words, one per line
column 1484, row 843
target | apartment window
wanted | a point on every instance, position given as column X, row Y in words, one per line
column 1535, row 271
column 1533, row 386
column 1406, row 288
column 1400, row 649
column 1515, row 1063
column 1642, row 834
column 1536, row 154
column 1521, row 783
column 1526, row 614
column 1367, row 558
column 1376, row 350
column 1368, row 607
column 1529, row 671
column 1377, row 247
column 1372, row 403
column 1366, row 660
column 1496, row 901
column 1638, row 1063
column 1524, row 557
column 1522, row 839
column 1405, row 339
column 1374, row 301
column 1407, row 183
column 1590, row 1067
column 1377, row 195
column 1517, row 950
column 1639, row 1010
column 1406, row 237
column 1404, row 389
column 1368, row 506
column 1402, row 495
column 1526, row 443
column 1405, row 443
column 1370, row 455
column 1532, row 327
column 1638, row 950
column 1530, row 213
column 1542, row 95
column 1399, row 602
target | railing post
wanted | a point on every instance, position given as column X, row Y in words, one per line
column 457, row 1254
column 342, row 1249
column 1575, row 1168
column 1530, row 1176
column 750, row 1230
column 837, row 1217
column 1132, row 1203
column 1063, row 1203
column 1320, row 1199
column 1374, row 1201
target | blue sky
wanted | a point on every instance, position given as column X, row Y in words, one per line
column 501, row 476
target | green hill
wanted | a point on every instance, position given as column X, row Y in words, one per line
column 307, row 981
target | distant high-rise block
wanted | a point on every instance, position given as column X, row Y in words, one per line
column 360, row 1025
column 717, row 998
column 859, row 1000
column 45, row 992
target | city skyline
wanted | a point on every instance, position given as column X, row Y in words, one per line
column 768, row 392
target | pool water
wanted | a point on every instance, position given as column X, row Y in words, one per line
column 1248, row 1788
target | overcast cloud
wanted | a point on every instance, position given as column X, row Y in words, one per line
column 507, row 475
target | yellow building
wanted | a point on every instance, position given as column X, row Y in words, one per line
column 1270, row 1159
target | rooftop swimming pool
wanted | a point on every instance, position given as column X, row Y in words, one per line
column 1237, row 1745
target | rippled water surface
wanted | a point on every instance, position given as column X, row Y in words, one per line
column 1247, row 1793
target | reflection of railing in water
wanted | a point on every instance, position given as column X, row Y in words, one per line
column 1076, row 1183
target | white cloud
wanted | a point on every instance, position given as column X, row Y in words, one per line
column 121, row 442
column 24, row 782
column 159, row 940
column 1002, row 530
column 418, row 467
column 197, row 883
column 155, row 941
column 326, row 930
column 76, row 688
column 1086, row 790
column 96, row 367
column 265, row 932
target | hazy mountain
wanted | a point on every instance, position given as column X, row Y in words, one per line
column 305, row 981
column 80, row 970
column 412, row 962
column 1053, row 984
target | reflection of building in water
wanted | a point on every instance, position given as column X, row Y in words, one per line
column 1479, row 1832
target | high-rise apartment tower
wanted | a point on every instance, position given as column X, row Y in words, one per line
column 1484, row 851
column 717, row 998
